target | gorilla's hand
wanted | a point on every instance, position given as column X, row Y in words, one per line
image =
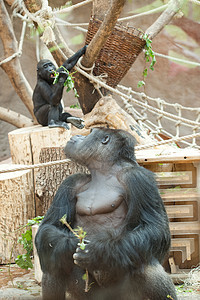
column 82, row 256
column 62, row 75
column 77, row 122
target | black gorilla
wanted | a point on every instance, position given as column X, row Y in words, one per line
column 120, row 208
column 47, row 96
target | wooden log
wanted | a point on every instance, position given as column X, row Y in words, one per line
column 26, row 143
column 49, row 178
column 17, row 206
column 107, row 113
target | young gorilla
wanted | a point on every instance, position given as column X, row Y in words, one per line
column 120, row 208
column 47, row 96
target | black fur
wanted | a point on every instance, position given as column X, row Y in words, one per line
column 47, row 96
column 124, row 261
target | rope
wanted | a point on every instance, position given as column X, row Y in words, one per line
column 172, row 140
column 31, row 167
column 19, row 52
column 72, row 7
column 195, row 2
column 152, row 11
column 129, row 90
column 63, row 161
column 178, row 59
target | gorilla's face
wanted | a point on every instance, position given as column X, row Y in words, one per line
column 101, row 145
column 45, row 70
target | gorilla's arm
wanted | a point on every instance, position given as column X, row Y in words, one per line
column 146, row 235
column 54, row 242
column 52, row 94
column 71, row 61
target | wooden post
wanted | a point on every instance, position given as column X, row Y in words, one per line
column 37, row 268
column 17, row 206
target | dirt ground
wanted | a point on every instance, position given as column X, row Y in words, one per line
column 24, row 287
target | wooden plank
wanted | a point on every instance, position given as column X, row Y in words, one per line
column 179, row 211
column 186, row 245
column 172, row 265
column 180, row 194
column 184, row 227
column 167, row 155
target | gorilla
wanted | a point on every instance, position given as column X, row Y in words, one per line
column 119, row 206
column 47, row 96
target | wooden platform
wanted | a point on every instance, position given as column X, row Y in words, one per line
column 177, row 173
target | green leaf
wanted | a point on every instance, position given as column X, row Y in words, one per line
column 63, row 219
column 24, row 261
column 76, row 95
column 140, row 83
column 145, row 72
column 84, row 277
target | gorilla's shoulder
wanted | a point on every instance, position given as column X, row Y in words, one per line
column 75, row 180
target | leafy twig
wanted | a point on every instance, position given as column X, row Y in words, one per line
column 149, row 57
column 24, row 260
column 80, row 234
column 69, row 82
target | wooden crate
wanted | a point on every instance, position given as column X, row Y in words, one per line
column 178, row 177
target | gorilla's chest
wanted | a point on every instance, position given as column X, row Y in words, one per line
column 102, row 205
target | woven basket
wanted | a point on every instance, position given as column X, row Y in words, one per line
column 119, row 52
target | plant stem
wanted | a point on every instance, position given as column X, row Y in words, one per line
column 64, row 221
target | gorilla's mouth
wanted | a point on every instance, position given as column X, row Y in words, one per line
column 52, row 75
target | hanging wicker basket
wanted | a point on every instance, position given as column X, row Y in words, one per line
column 119, row 52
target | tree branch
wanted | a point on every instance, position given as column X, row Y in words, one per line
column 165, row 18
column 103, row 33
column 14, row 118
column 13, row 67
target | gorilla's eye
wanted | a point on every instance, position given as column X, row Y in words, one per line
column 105, row 140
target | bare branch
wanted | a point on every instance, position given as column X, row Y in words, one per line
column 165, row 18
column 14, row 118
column 13, row 67
column 103, row 33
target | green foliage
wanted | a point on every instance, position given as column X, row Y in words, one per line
column 149, row 53
column 69, row 82
column 149, row 58
column 77, row 105
column 24, row 260
column 140, row 83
